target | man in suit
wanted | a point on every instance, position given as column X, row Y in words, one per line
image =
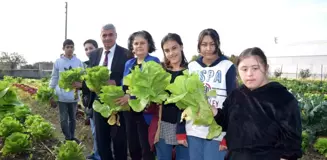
column 114, row 57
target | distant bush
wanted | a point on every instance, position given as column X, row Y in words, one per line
column 305, row 73
column 278, row 72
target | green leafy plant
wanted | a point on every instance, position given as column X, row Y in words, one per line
column 16, row 143
column 67, row 78
column 8, row 96
column 70, row 150
column 19, row 79
column 321, row 146
column 9, row 125
column 39, row 128
column 33, row 118
column 147, row 85
column 44, row 94
column 20, row 112
column 305, row 141
column 187, row 92
column 109, row 108
column 96, row 77
column 9, row 79
column 313, row 115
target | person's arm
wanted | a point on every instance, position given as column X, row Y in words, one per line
column 126, row 71
column 291, row 138
column 231, row 79
column 54, row 76
column 221, row 114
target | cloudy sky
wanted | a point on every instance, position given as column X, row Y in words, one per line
column 36, row 28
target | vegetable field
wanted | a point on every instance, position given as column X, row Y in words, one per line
column 30, row 129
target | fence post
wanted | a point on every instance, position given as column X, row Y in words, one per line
column 322, row 70
column 297, row 67
column 281, row 71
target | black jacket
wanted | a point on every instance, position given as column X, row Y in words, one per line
column 263, row 124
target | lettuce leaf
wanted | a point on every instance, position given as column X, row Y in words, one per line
column 108, row 96
column 96, row 77
column 8, row 96
column 147, row 85
column 67, row 78
column 187, row 92
column 44, row 94
column 109, row 108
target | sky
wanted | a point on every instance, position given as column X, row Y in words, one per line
column 36, row 28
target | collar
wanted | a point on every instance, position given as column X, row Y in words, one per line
column 221, row 58
column 112, row 49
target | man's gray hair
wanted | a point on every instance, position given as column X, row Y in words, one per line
column 109, row 27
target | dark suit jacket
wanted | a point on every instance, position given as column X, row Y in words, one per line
column 121, row 55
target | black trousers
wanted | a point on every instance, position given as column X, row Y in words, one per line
column 137, row 136
column 106, row 133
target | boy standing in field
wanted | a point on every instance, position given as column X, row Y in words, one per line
column 66, row 100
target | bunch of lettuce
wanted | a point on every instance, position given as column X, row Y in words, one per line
column 9, row 125
column 109, row 108
column 8, row 99
column 44, row 94
column 67, row 78
column 147, row 85
column 70, row 150
column 187, row 92
column 16, row 143
column 8, row 96
column 96, row 77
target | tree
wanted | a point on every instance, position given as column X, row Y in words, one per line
column 12, row 59
column 278, row 72
column 195, row 57
column 305, row 73
column 27, row 66
column 233, row 58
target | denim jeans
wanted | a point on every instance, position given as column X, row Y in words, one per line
column 164, row 151
column 67, row 113
column 96, row 155
column 203, row 149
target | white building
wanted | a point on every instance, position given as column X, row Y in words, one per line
column 309, row 55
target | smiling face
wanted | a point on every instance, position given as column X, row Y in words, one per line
column 173, row 52
column 252, row 72
column 140, row 46
column 108, row 38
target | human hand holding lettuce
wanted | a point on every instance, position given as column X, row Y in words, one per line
column 69, row 77
column 110, row 108
column 147, row 85
column 187, row 92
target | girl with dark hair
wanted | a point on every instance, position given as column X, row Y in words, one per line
column 169, row 132
column 217, row 73
column 261, row 118
column 141, row 45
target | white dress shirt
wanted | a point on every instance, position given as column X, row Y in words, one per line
column 110, row 57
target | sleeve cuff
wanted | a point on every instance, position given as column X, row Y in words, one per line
column 181, row 136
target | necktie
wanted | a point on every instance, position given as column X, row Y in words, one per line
column 105, row 62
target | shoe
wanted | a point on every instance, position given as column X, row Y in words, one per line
column 77, row 140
